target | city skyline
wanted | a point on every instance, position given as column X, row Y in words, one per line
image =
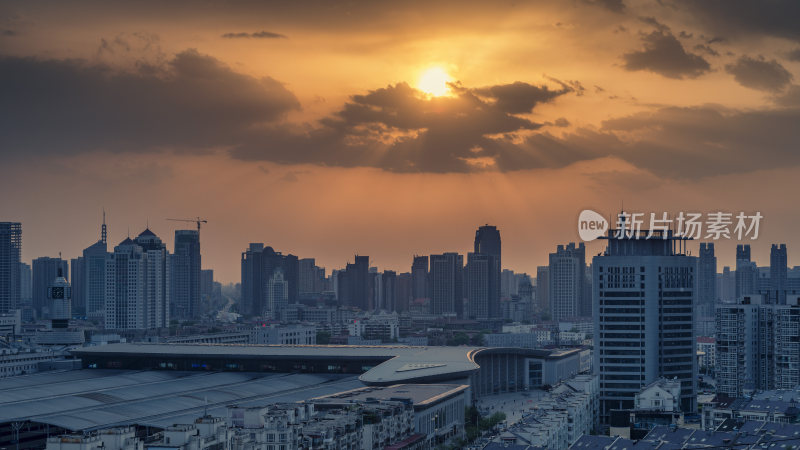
column 402, row 261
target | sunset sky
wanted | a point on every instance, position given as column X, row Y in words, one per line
column 390, row 129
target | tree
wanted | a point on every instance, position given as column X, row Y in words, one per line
column 323, row 338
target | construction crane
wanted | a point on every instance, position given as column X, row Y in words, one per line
column 197, row 220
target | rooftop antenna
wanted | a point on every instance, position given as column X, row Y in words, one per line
column 103, row 229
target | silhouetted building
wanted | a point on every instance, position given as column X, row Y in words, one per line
column 777, row 273
column 404, row 288
column 277, row 295
column 706, row 280
column 446, row 281
column 389, row 291
column 89, row 278
column 746, row 272
column 419, row 277
column 10, row 254
column 258, row 267
column 543, row 289
column 206, row 283
column 476, row 275
column 354, row 284
column 487, row 242
column 186, row 266
column 26, row 292
column 45, row 270
column 567, row 275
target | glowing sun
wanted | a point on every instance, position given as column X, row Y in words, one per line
column 433, row 81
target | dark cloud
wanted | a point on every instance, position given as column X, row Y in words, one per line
column 193, row 101
column 794, row 55
column 616, row 6
column 257, row 35
column 692, row 142
column 758, row 73
column 398, row 129
column 8, row 33
column 665, row 55
column 743, row 17
column 706, row 49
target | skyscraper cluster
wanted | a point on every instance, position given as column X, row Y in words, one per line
column 138, row 285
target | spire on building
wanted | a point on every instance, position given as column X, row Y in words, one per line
column 104, row 229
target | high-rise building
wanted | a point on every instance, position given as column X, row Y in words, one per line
column 138, row 290
column 476, row 276
column 419, row 278
column 404, row 288
column 567, row 275
column 777, row 274
column 446, row 284
column 389, row 290
column 206, row 283
column 277, row 295
column 738, row 328
column 726, row 285
column 543, row 290
column 706, row 280
column 252, row 280
column 89, row 277
column 26, row 291
column 644, row 292
column 487, row 242
column 10, row 254
column 746, row 272
column 45, row 270
column 758, row 345
column 258, row 266
column 355, row 284
column 186, row 266
column 308, row 275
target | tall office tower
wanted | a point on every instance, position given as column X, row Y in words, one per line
column 419, row 276
column 10, row 254
column 726, row 286
column 138, row 290
column 777, row 273
column 206, row 283
column 476, row 277
column 446, row 284
column 643, row 302
column 308, row 276
column 746, row 272
column 45, row 270
column 258, row 266
column 737, row 346
column 487, row 242
column 25, row 291
column 567, row 274
column 706, row 280
column 404, row 287
column 186, row 266
column 743, row 252
column 252, row 280
column 526, row 295
column 355, row 284
column 89, row 277
column 277, row 295
column 389, row 290
column 78, row 303
column 543, row 289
